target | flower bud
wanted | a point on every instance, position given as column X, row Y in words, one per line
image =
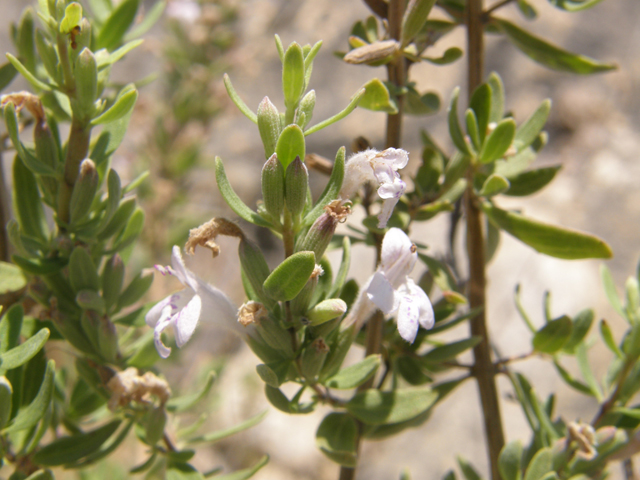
column 273, row 186
column 86, row 76
column 319, row 235
column 313, row 358
column 268, row 125
column 326, row 310
column 255, row 268
column 84, row 191
column 305, row 109
column 6, row 392
column 112, row 280
column 296, row 185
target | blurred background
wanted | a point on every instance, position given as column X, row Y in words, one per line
column 183, row 119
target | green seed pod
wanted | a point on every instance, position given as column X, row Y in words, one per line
column 319, row 235
column 273, row 186
column 255, row 268
column 6, row 392
column 269, row 126
column 296, row 185
column 305, row 110
column 108, row 340
column 84, row 191
column 313, row 358
column 275, row 336
column 326, row 310
column 86, row 76
column 112, row 280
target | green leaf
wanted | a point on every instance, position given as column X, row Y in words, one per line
column 548, row 239
column 527, row 10
column 6, row 394
column 29, row 416
column 510, row 461
column 415, row 16
column 472, row 128
column 343, row 271
column 245, row 473
column 288, row 278
column 449, row 56
column 528, row 183
column 152, row 16
column 468, row 471
column 235, row 98
column 454, row 124
column 293, row 75
column 416, row 104
column 82, row 271
column 540, row 465
column 581, row 325
column 528, row 132
column 115, row 27
column 610, row 290
column 11, row 278
column 353, row 103
column 186, row 402
column 553, row 336
column 290, row 145
column 609, row 341
column 7, row 73
column 549, row 55
column 574, row 5
column 374, row 407
column 376, row 97
column 72, row 18
column 355, row 375
column 268, row 376
column 219, row 435
column 441, row 273
column 497, row 97
column 331, row 191
column 493, row 185
column 450, row 351
column 70, row 449
column 122, row 106
column 29, row 77
column 41, row 475
column 587, row 373
column 26, row 351
column 480, row 103
column 232, row 199
column 337, row 438
column 498, row 142
column 39, row 266
column 571, row 381
column 27, row 203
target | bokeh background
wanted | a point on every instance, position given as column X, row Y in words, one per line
column 183, row 119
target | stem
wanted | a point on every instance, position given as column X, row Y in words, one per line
column 67, row 74
column 4, row 215
column 610, row 402
column 77, row 150
column 287, row 234
column 483, row 369
column 495, row 7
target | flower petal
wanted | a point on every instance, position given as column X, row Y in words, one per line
column 185, row 321
column 217, row 306
column 397, row 257
column 397, row 157
column 427, row 316
column 163, row 322
column 180, row 269
column 381, row 292
column 408, row 314
column 386, row 211
column 155, row 313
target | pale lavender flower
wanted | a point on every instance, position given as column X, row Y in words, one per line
column 380, row 168
column 186, row 11
column 184, row 309
column 394, row 293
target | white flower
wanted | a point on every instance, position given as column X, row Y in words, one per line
column 394, row 292
column 380, row 168
column 184, row 309
column 186, row 11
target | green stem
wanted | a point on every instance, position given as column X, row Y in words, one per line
column 67, row 74
column 483, row 369
column 288, row 234
column 77, row 150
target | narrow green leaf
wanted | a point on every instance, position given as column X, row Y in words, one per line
column 26, row 351
column 186, row 402
column 29, row 416
column 498, row 142
column 308, row 61
column 7, row 73
column 83, row 274
column 374, row 407
column 288, row 278
column 70, row 449
column 11, row 278
column 343, row 271
column 27, row 203
column 121, row 107
column 609, row 341
column 472, row 128
column 581, row 325
column 235, row 98
column 232, row 199
column 540, row 465
column 245, row 473
column 454, row 124
column 548, row 239
column 219, row 435
column 331, row 191
column 29, row 77
column 574, row 5
column 293, row 74
column 290, row 145
column 415, row 16
column 528, row 132
column 115, row 27
column 480, row 103
column 6, row 397
column 587, row 373
column 150, row 19
column 337, row 438
column 510, row 461
column 449, row 56
column 441, row 273
column 493, row 185
column 528, row 183
column 497, row 97
column 353, row 103
column 468, row 471
column 450, row 351
column 377, row 98
column 571, row 381
column 549, row 55
column 553, row 336
column 610, row 290
column 355, row 375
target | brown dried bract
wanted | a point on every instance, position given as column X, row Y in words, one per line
column 128, row 386
column 338, row 209
column 205, row 235
column 251, row 312
column 25, row 100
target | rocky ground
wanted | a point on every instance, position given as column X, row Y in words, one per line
column 594, row 133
